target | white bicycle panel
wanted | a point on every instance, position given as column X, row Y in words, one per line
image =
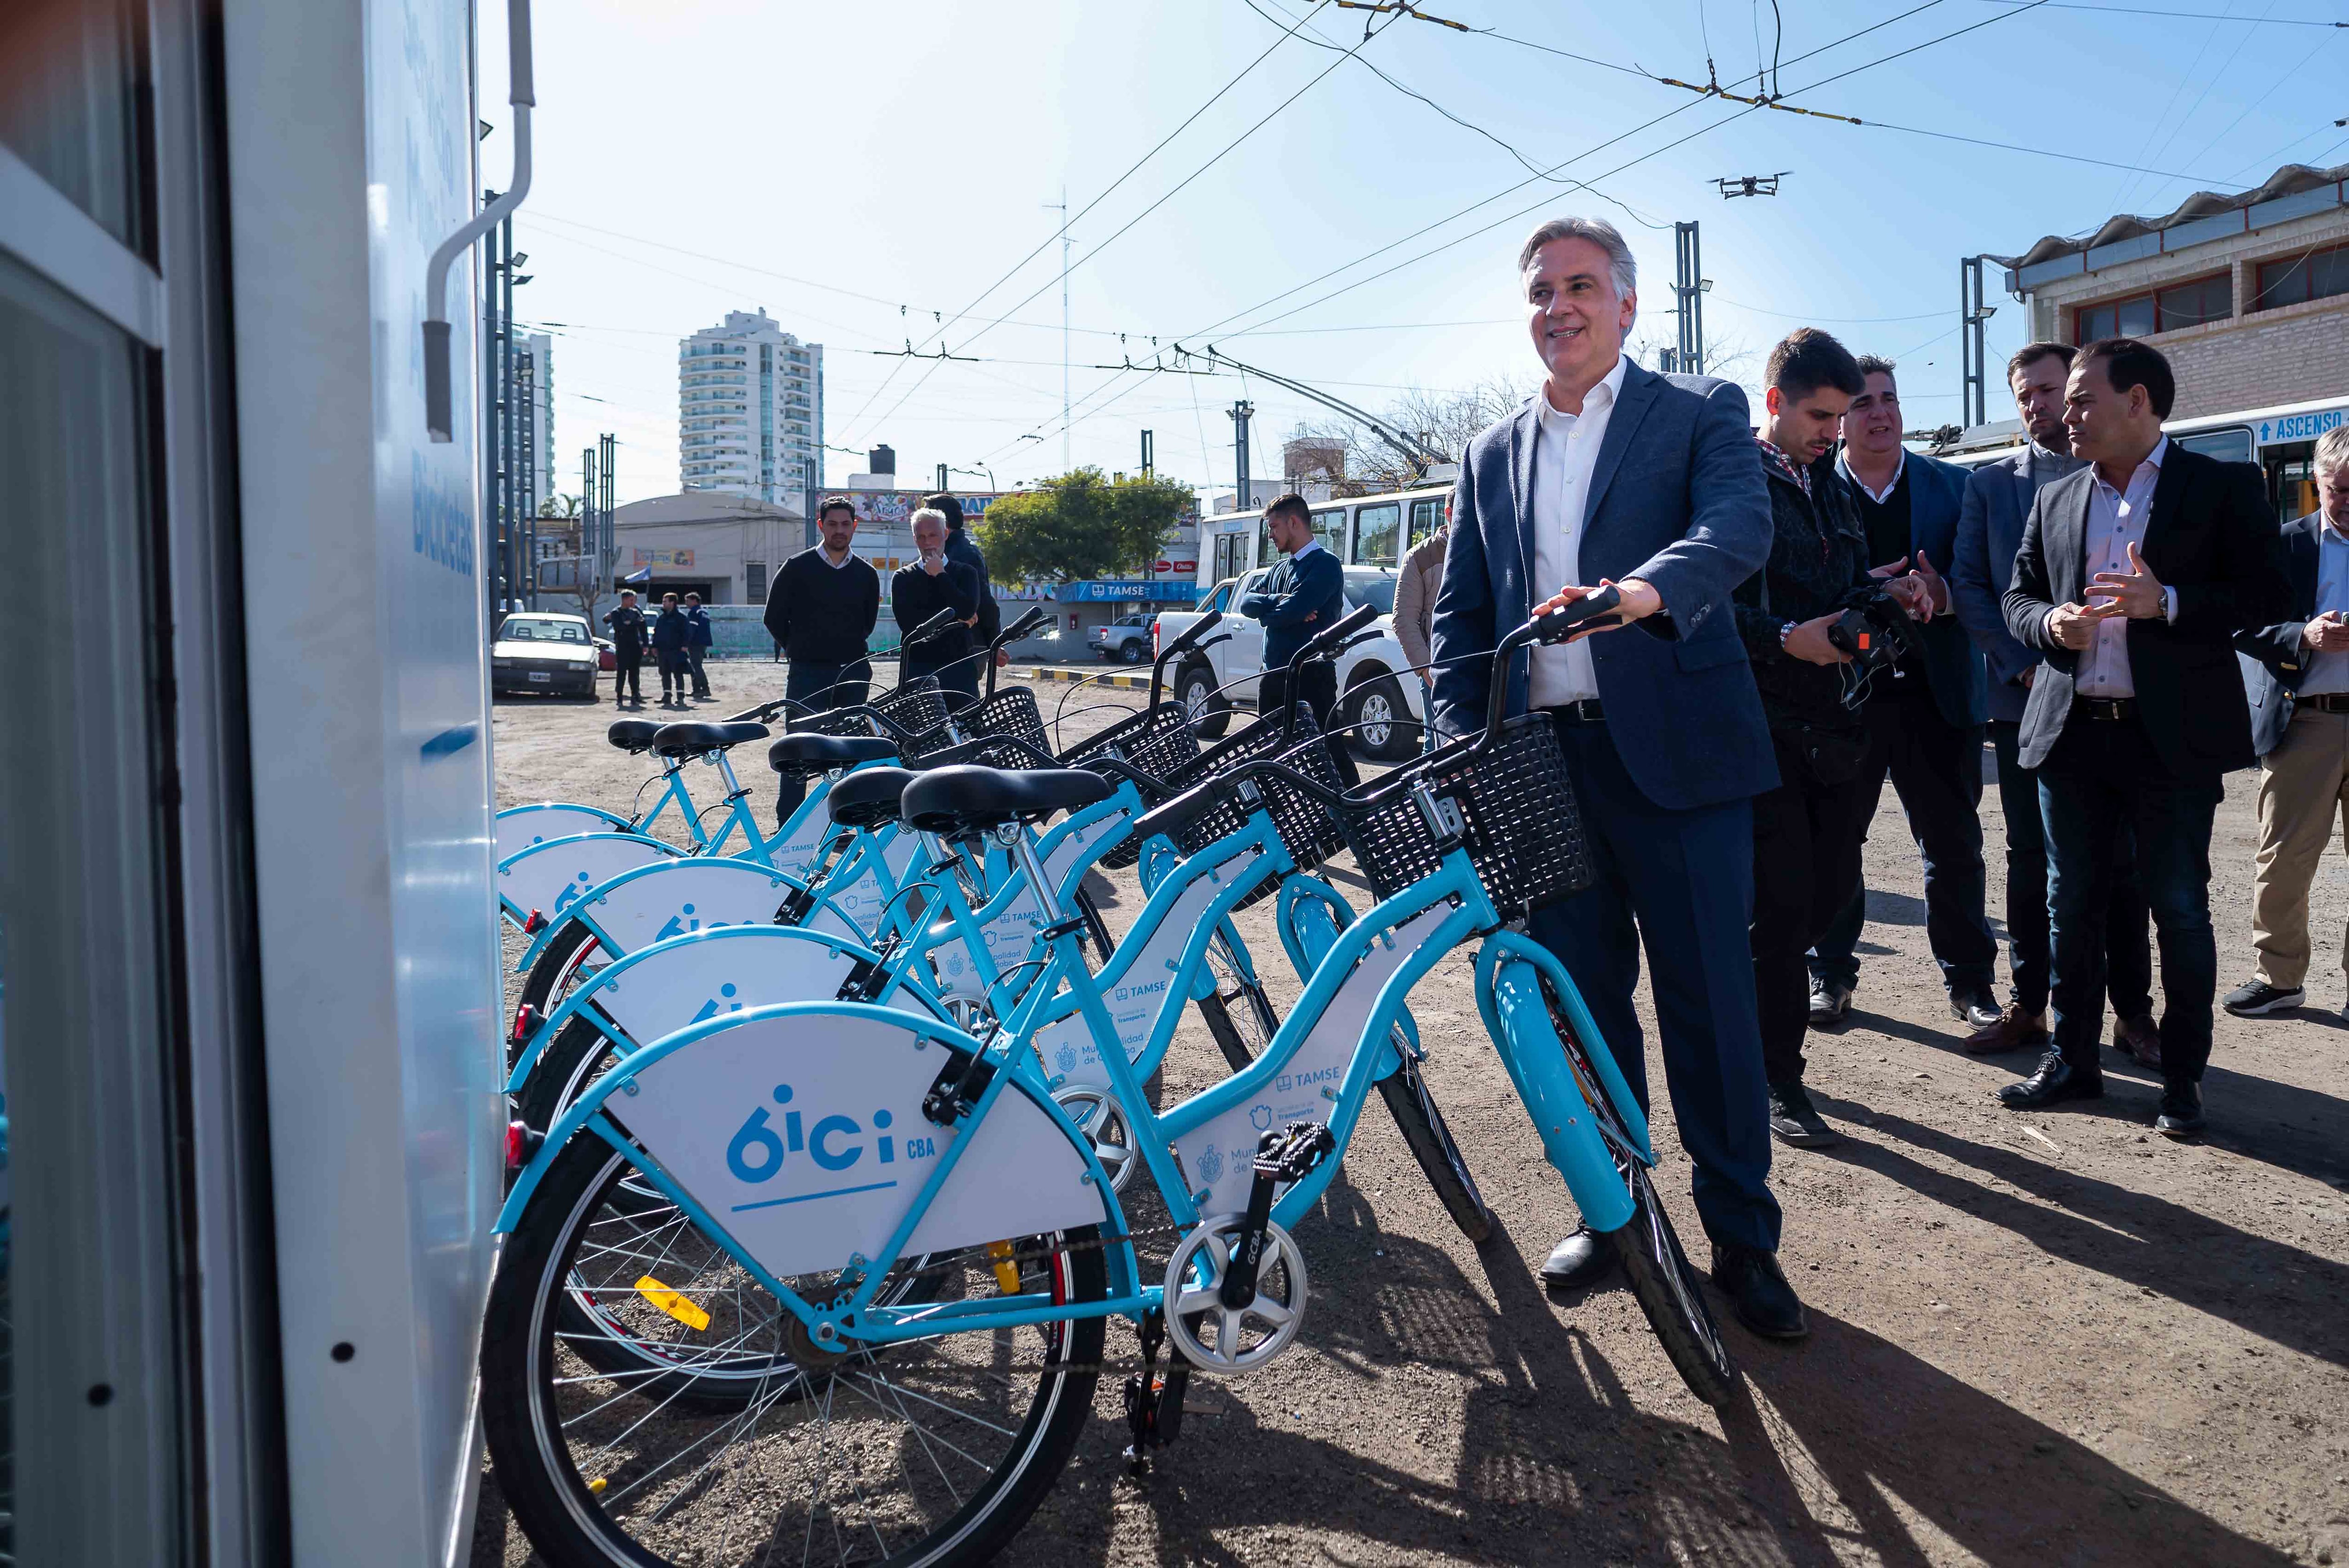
column 795, row 853
column 672, row 986
column 552, row 876
column 1010, row 936
column 805, row 1138
column 1221, row 1155
column 518, row 828
column 1067, row 1048
column 1069, row 850
column 691, row 895
column 862, row 900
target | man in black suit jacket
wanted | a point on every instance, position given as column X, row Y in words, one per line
column 2297, row 672
column 2133, row 578
column 1298, row 601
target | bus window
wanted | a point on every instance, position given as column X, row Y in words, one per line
column 2231, row 444
column 1375, row 531
column 1330, row 528
column 1426, row 517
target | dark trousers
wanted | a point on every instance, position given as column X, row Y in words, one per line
column 1936, row 768
column 1806, row 838
column 2104, row 774
column 2128, row 952
column 1318, row 689
column 822, row 687
column 1683, row 882
column 626, row 680
column 672, row 672
column 693, row 658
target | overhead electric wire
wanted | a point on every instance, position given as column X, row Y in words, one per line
column 1067, row 220
column 2185, row 16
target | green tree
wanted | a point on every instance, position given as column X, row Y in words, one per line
column 1080, row 525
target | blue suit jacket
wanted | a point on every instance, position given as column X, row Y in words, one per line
column 1953, row 669
column 1990, row 529
column 2274, row 658
column 1301, row 599
column 1676, row 499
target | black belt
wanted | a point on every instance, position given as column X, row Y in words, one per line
column 2107, row 709
column 1587, row 711
column 2324, row 702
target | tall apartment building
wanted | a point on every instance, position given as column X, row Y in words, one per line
column 541, row 349
column 749, row 410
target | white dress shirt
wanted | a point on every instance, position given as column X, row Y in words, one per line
column 2329, row 672
column 2117, row 520
column 1564, row 453
column 1899, row 467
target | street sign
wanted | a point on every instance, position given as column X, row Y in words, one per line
column 2300, row 426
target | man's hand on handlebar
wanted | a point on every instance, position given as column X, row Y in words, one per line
column 1637, row 601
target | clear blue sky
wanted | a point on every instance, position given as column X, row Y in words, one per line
column 854, row 169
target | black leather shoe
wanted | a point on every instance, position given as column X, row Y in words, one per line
column 1795, row 1122
column 2052, row 1082
column 1583, row 1258
column 1974, row 1009
column 2181, row 1111
column 1830, row 1004
column 1765, row 1303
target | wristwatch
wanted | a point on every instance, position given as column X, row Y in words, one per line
column 1785, row 630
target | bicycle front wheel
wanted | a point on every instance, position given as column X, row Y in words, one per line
column 1238, row 1013
column 1406, row 1094
column 930, row 1453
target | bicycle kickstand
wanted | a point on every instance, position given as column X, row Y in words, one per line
column 1154, row 1405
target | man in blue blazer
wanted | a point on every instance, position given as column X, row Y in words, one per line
column 1990, row 527
column 1925, row 728
column 1613, row 475
column 1298, row 601
column 2296, row 673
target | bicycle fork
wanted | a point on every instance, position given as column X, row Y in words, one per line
column 1510, row 994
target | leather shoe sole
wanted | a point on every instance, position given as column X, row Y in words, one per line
column 2023, row 1096
column 1583, row 1258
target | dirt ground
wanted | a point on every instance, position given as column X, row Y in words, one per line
column 2045, row 1339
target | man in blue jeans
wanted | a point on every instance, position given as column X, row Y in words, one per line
column 2134, row 576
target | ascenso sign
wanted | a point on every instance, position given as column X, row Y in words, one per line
column 2300, row 426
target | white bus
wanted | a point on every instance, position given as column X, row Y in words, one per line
column 1359, row 531
column 2280, row 439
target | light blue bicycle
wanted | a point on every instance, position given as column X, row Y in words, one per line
column 868, row 1257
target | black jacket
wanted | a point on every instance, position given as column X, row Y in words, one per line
column 963, row 552
column 670, row 629
column 2274, row 658
column 915, row 596
column 823, row 614
column 2212, row 537
column 626, row 624
column 1817, row 565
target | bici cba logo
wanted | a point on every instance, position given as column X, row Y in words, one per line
column 763, row 1147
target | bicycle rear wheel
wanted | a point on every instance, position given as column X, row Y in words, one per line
column 567, row 955
column 931, row 1452
column 1667, row 1288
column 1407, row 1097
column 1238, row 1015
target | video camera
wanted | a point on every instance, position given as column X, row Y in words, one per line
column 1876, row 633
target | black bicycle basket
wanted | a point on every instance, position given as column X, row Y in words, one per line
column 1009, row 715
column 1519, row 819
column 1307, row 828
column 1156, row 741
column 917, row 706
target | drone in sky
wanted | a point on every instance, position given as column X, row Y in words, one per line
column 1752, row 184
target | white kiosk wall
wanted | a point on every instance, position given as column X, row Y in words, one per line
column 352, row 153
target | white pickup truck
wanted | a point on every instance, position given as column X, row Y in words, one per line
column 1384, row 706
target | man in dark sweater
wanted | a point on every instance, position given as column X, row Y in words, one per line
column 919, row 592
column 820, row 610
column 626, row 624
column 1300, row 599
column 1806, row 832
column 963, row 551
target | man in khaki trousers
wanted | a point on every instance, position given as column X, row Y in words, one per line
column 2298, row 675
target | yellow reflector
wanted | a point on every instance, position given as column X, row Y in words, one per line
column 676, row 1306
column 596, row 1486
column 1006, row 1273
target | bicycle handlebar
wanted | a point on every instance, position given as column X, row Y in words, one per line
column 1020, row 628
column 1322, row 643
column 1180, row 645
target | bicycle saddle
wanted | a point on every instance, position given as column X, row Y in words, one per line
column 685, row 739
column 632, row 734
column 958, row 799
column 806, row 753
column 868, row 798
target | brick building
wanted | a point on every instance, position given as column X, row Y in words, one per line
column 2248, row 295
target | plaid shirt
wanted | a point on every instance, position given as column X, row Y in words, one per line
column 1786, row 465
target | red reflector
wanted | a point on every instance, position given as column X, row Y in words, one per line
column 525, row 1023
column 517, row 1144
column 534, row 925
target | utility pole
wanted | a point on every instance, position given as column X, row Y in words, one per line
column 1242, row 411
column 491, row 335
column 1063, row 205
column 942, row 477
column 506, row 573
column 1689, row 285
column 1149, row 455
column 608, row 550
column 1973, row 389
column 583, row 576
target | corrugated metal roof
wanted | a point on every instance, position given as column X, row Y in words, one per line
column 2289, row 180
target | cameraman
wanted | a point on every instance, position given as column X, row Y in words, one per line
column 1807, row 830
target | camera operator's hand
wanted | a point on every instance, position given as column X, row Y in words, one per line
column 1636, row 601
column 1808, row 641
column 2135, row 592
column 2073, row 626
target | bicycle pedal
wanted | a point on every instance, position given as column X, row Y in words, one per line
column 1293, row 1152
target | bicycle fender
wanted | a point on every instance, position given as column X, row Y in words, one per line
column 553, row 875
column 517, row 828
column 649, row 903
column 1518, row 1015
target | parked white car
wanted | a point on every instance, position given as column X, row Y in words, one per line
column 1384, row 707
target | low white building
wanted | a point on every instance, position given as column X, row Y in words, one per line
column 724, row 547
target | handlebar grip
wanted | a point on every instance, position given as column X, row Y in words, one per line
column 1191, row 634
column 1559, row 625
column 929, row 628
column 1363, row 616
column 1021, row 627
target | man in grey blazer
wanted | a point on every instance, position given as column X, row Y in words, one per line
column 1614, row 475
column 1990, row 527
